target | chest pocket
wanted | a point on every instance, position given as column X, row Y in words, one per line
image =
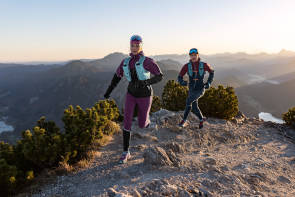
column 200, row 73
column 142, row 73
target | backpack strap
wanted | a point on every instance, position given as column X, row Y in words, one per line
column 201, row 69
column 190, row 69
column 142, row 74
column 126, row 61
column 141, row 60
column 126, row 68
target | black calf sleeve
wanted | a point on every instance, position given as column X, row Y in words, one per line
column 126, row 139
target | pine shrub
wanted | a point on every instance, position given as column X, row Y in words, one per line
column 107, row 108
column 289, row 117
column 8, row 174
column 156, row 104
column 219, row 102
column 43, row 147
column 174, row 96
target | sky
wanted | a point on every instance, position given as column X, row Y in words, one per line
column 57, row 30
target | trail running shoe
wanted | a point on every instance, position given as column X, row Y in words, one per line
column 125, row 156
column 201, row 125
column 183, row 123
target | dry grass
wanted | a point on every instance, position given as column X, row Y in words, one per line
column 112, row 127
column 64, row 168
column 101, row 142
column 84, row 163
column 93, row 154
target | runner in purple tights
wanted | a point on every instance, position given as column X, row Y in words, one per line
column 137, row 69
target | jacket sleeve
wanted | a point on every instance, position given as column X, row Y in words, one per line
column 113, row 84
column 152, row 66
column 116, row 79
column 154, row 79
column 182, row 72
column 211, row 73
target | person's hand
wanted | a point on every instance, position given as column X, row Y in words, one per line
column 106, row 96
column 207, row 85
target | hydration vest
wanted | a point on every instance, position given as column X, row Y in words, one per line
column 142, row 73
column 200, row 73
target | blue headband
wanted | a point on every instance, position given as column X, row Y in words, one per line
column 193, row 50
column 136, row 38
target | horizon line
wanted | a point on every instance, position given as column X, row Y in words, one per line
column 208, row 54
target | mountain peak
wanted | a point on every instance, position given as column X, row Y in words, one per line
column 109, row 62
column 115, row 55
column 76, row 63
column 77, row 66
column 285, row 52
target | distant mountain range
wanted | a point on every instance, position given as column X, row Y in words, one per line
column 264, row 82
column 30, row 94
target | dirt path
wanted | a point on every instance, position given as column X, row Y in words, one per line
column 246, row 157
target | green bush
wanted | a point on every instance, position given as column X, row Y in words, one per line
column 7, row 152
column 8, row 171
column 35, row 151
column 174, row 96
column 107, row 108
column 82, row 128
column 111, row 128
column 80, row 131
column 12, row 173
column 44, row 146
column 156, row 104
column 8, row 175
column 289, row 117
column 219, row 102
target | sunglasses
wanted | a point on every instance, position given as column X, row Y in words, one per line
column 136, row 38
column 193, row 51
